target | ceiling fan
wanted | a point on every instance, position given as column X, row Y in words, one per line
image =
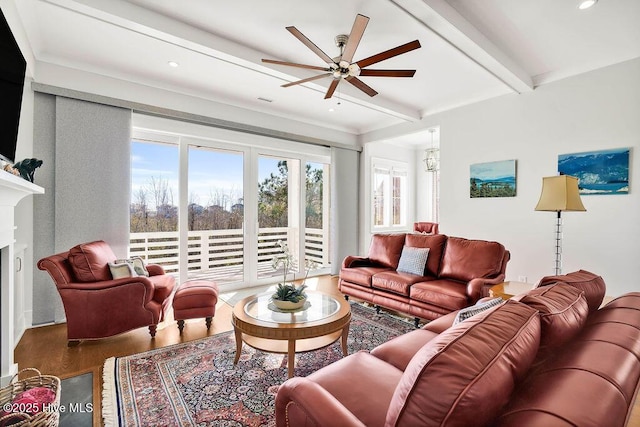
column 342, row 67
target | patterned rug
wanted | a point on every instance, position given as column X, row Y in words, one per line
column 196, row 383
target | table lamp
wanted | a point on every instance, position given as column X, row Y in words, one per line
column 559, row 193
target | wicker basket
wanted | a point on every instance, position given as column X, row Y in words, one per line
column 41, row 419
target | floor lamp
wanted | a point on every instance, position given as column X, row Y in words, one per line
column 559, row 193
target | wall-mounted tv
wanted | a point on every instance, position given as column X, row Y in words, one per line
column 12, row 71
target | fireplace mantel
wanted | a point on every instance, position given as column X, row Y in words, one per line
column 12, row 190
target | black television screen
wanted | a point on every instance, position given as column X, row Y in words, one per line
column 12, row 71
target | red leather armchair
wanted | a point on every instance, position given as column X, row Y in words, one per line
column 426, row 227
column 96, row 305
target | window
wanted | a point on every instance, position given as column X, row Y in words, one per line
column 389, row 194
column 192, row 212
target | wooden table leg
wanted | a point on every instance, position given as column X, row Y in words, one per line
column 238, row 333
column 345, row 335
column 291, row 358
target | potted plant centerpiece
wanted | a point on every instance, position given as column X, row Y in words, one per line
column 287, row 296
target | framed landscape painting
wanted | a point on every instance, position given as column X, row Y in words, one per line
column 598, row 172
column 493, row 179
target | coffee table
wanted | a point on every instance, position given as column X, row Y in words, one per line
column 325, row 319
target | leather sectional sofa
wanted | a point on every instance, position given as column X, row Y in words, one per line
column 549, row 357
column 457, row 273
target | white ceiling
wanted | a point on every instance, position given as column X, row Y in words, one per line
column 471, row 49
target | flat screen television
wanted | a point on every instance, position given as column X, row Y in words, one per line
column 12, row 72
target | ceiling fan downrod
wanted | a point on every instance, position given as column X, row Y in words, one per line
column 343, row 69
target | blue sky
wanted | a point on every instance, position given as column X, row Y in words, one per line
column 213, row 174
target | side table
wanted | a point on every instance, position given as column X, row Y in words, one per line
column 506, row 290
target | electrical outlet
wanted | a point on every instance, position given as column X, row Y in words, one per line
column 522, row 279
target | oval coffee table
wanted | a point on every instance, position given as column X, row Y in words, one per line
column 325, row 319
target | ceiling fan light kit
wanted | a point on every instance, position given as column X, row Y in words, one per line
column 342, row 67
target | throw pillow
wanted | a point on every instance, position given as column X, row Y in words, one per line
column 118, row 271
column 413, row 260
column 468, row 312
column 137, row 264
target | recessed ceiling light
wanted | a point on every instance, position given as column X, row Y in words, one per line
column 331, row 110
column 586, row 4
column 173, row 64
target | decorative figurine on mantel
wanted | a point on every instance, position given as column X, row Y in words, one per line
column 27, row 168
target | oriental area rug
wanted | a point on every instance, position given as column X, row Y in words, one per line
column 196, row 383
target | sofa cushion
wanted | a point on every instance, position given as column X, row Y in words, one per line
column 441, row 293
column 385, row 249
column 90, row 261
column 393, row 281
column 413, row 260
column 563, row 313
column 435, row 243
column 593, row 285
column 466, row 375
column 361, row 275
column 465, row 259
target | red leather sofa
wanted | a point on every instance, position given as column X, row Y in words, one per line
column 457, row 273
column 541, row 359
column 96, row 305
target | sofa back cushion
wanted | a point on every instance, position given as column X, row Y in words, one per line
column 593, row 285
column 466, row 259
column 386, row 249
column 563, row 313
column 90, row 261
column 435, row 243
column 466, row 374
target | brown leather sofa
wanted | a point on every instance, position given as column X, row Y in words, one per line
column 96, row 305
column 457, row 273
column 541, row 359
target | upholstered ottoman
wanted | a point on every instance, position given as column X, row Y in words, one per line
column 195, row 299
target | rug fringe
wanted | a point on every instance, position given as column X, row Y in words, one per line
column 109, row 403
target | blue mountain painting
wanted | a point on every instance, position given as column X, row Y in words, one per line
column 599, row 172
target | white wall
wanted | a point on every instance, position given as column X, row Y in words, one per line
column 592, row 111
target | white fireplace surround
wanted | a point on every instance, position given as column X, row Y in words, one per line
column 12, row 190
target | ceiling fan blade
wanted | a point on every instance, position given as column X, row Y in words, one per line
column 361, row 85
column 357, row 31
column 332, row 88
column 308, row 43
column 407, row 47
column 387, row 73
column 308, row 79
column 293, row 64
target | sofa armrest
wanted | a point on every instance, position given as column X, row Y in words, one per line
column 479, row 288
column 442, row 323
column 85, row 288
column 155, row 270
column 301, row 401
column 351, row 261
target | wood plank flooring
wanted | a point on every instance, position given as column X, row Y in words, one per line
column 45, row 348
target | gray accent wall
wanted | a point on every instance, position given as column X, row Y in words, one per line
column 345, row 166
column 86, row 173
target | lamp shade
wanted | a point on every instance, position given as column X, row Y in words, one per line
column 560, row 193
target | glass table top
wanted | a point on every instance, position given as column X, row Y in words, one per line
column 318, row 306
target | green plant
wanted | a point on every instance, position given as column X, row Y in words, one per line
column 289, row 292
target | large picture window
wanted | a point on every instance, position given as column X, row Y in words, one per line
column 389, row 194
column 193, row 213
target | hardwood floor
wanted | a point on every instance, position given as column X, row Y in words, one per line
column 45, row 348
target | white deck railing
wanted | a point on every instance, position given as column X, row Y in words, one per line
column 219, row 254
